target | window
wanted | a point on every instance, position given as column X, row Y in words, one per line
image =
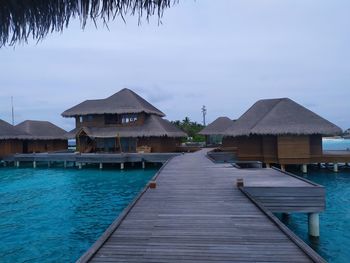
column 127, row 118
column 88, row 118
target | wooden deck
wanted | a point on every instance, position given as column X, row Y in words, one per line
column 197, row 214
column 92, row 157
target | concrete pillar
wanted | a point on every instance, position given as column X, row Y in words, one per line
column 80, row 165
column 17, row 164
column 48, row 164
column 101, row 166
column 65, row 164
column 143, row 165
column 314, row 224
column 121, row 166
column 34, row 164
column 132, row 164
column 268, row 165
column 335, row 167
column 304, row 168
column 283, row 167
column 4, row 163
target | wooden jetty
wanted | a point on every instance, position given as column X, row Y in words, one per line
column 194, row 212
column 78, row 159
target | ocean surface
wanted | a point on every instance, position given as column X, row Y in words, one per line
column 334, row 241
column 55, row 215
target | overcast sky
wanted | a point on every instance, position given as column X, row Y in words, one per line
column 223, row 54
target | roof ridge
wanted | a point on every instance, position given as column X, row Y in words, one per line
column 267, row 114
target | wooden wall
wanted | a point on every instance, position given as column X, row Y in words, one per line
column 38, row 146
column 160, row 144
column 9, row 147
column 269, row 149
column 229, row 142
column 285, row 149
column 250, row 148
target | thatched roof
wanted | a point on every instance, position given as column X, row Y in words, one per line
column 8, row 131
column 22, row 19
column 278, row 117
column 154, row 126
column 40, row 130
column 217, row 127
column 124, row 101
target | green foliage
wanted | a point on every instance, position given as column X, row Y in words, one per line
column 191, row 128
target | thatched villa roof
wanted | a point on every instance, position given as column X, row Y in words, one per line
column 20, row 20
column 8, row 131
column 217, row 127
column 279, row 117
column 41, row 130
column 154, row 126
column 124, row 101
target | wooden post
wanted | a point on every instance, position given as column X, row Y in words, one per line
column 314, row 224
column 101, row 166
column 239, row 182
column 152, row 184
column 335, row 167
column 304, row 168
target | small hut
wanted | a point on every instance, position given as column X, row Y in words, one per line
column 214, row 131
column 279, row 131
column 41, row 136
column 10, row 142
column 123, row 122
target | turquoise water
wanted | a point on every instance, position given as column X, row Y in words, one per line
column 54, row 215
column 334, row 240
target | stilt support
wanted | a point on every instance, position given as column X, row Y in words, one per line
column 48, row 164
column 143, row 165
column 121, row 166
column 335, row 167
column 314, row 225
column 4, row 163
column 17, row 164
column 283, row 167
column 304, row 168
column 34, row 164
column 101, row 166
column 80, row 165
column 268, row 165
column 65, row 164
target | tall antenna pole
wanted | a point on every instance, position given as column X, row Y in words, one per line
column 204, row 112
column 13, row 113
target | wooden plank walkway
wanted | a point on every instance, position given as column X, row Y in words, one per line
column 196, row 214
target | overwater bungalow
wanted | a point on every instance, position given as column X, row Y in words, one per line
column 123, row 122
column 10, row 139
column 214, row 131
column 280, row 131
column 31, row 137
column 41, row 136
